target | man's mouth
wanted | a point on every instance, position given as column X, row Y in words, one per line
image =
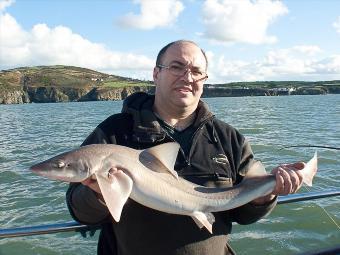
column 184, row 89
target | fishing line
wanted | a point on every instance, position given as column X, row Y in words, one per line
column 326, row 212
column 311, row 146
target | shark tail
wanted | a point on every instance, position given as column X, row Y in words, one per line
column 309, row 170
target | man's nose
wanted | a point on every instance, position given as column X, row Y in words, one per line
column 187, row 76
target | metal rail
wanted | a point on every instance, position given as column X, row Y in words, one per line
column 83, row 229
column 292, row 198
column 48, row 229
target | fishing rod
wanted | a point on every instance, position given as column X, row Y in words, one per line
column 83, row 229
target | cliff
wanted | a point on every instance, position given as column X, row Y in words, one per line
column 29, row 94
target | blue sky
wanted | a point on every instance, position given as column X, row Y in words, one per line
column 245, row 40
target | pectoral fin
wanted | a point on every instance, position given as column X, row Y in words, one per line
column 204, row 220
column 116, row 188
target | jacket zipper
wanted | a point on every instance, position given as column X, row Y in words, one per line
column 180, row 148
column 188, row 158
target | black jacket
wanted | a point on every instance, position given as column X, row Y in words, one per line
column 219, row 156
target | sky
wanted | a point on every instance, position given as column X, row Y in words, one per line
column 245, row 40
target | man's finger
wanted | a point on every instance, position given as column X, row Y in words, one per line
column 299, row 165
column 295, row 181
column 295, row 175
column 283, row 182
column 279, row 181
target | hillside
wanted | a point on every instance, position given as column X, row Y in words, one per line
column 42, row 84
column 63, row 76
column 64, row 83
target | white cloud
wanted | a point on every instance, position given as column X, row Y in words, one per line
column 329, row 65
column 153, row 14
column 240, row 20
column 43, row 45
column 336, row 25
column 295, row 63
column 309, row 50
column 4, row 4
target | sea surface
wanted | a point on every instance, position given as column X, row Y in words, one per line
column 30, row 133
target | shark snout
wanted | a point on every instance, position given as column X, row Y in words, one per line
column 62, row 168
column 43, row 169
column 37, row 168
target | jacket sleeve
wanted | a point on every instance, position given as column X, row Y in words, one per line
column 250, row 213
column 82, row 202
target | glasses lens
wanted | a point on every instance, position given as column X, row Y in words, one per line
column 177, row 70
column 181, row 70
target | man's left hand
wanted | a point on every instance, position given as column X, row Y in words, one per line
column 288, row 181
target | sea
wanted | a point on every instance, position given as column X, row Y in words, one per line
column 30, row 133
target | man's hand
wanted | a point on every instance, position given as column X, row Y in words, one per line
column 92, row 183
column 288, row 180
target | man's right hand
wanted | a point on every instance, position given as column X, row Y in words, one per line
column 92, row 183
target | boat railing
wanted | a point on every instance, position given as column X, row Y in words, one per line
column 90, row 229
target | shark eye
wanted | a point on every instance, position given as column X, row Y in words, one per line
column 61, row 164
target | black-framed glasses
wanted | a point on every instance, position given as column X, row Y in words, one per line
column 180, row 70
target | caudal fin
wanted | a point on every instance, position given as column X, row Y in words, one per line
column 309, row 170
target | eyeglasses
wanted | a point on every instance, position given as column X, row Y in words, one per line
column 179, row 70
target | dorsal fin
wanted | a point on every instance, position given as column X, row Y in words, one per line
column 161, row 158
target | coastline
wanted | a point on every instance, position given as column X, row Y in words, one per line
column 53, row 84
column 30, row 94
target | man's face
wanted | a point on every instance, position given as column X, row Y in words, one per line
column 175, row 90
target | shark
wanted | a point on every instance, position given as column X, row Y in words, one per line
column 148, row 177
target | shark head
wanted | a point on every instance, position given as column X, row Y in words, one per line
column 70, row 167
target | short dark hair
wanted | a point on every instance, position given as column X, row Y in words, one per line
column 161, row 53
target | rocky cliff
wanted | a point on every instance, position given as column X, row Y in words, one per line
column 53, row 94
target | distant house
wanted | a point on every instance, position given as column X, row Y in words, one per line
column 97, row 79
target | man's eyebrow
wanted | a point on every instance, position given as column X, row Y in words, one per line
column 178, row 63
column 185, row 64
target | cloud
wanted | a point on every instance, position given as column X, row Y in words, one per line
column 153, row 14
column 309, row 50
column 240, row 20
column 336, row 25
column 329, row 65
column 43, row 45
column 4, row 4
column 296, row 63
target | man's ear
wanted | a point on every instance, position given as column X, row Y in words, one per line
column 155, row 74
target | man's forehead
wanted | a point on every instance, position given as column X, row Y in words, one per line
column 185, row 53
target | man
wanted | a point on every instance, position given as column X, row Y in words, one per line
column 212, row 154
